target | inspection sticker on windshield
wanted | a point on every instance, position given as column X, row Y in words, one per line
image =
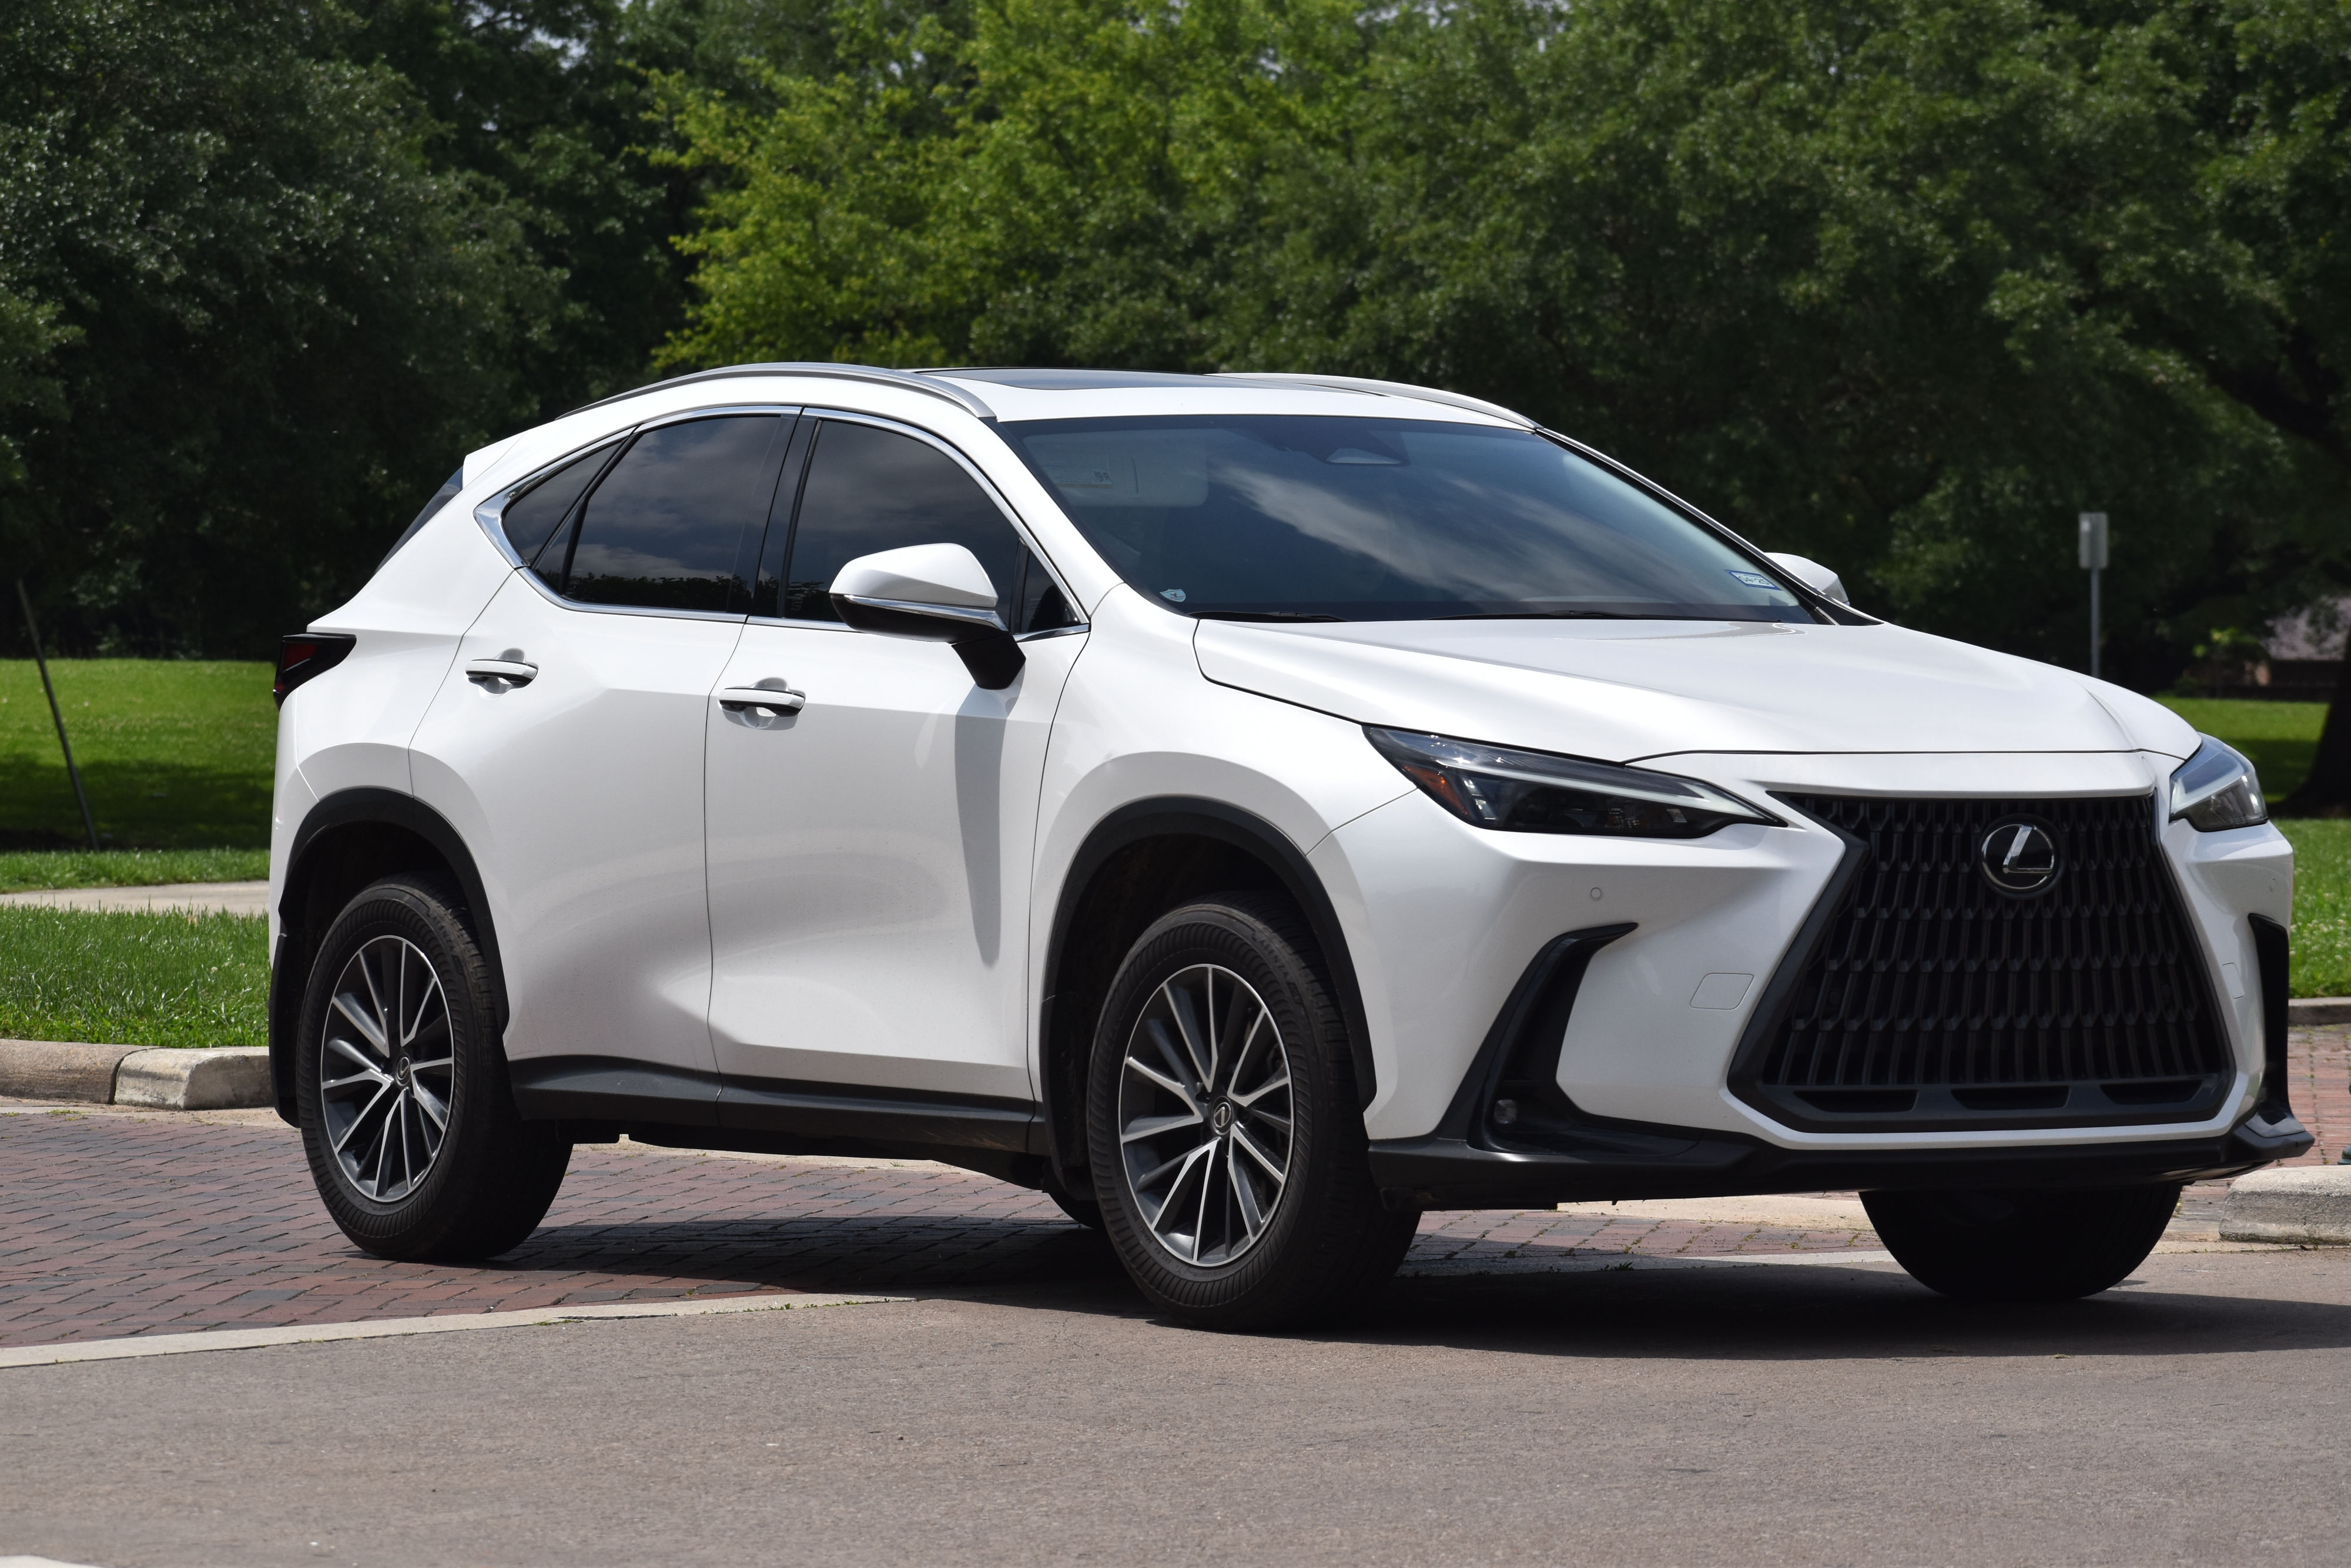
column 1754, row 579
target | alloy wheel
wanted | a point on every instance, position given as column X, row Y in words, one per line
column 387, row 1069
column 1205, row 1115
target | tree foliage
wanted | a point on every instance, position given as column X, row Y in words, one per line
column 1899, row 284
column 1904, row 283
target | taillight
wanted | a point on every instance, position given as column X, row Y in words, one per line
column 305, row 655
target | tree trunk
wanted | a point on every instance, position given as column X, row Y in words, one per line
column 2326, row 792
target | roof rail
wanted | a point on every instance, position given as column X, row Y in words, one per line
column 955, row 394
column 1384, row 389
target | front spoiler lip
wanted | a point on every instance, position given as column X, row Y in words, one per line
column 1437, row 1172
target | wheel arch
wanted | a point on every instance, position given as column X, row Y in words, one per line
column 1139, row 861
column 348, row 839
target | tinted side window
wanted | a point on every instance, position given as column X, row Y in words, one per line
column 532, row 517
column 1042, row 606
column 667, row 529
column 871, row 490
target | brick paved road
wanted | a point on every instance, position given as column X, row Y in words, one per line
column 113, row 1224
column 124, row 1225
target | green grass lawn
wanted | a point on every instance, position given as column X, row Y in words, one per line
column 176, row 753
column 134, row 979
column 25, row 869
column 2280, row 739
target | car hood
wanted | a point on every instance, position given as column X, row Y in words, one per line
column 1620, row 690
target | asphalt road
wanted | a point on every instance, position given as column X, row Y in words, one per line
column 1800, row 1414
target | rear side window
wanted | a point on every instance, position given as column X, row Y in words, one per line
column 532, row 517
column 870, row 490
column 677, row 522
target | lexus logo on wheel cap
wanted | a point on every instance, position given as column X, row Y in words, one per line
column 2018, row 856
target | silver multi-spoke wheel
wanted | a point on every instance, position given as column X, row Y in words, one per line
column 386, row 1069
column 1204, row 1115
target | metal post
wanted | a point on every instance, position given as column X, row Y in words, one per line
column 33, row 630
column 2093, row 561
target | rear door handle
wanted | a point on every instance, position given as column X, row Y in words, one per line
column 510, row 672
column 775, row 700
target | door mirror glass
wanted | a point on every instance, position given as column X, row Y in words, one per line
column 938, row 593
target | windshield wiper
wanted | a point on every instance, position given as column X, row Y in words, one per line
column 1262, row 615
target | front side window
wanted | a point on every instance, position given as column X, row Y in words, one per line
column 1292, row 517
column 676, row 522
column 869, row 490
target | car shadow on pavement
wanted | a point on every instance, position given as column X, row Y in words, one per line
column 1827, row 1312
column 1817, row 1313
column 894, row 1256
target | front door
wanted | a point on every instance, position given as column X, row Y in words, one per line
column 567, row 746
column 870, row 853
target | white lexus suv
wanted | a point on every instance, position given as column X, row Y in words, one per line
column 1252, row 810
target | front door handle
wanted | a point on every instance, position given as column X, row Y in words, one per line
column 501, row 672
column 778, row 699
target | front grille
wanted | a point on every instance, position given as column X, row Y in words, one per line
column 1925, row 996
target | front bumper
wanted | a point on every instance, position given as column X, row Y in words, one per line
column 1447, row 918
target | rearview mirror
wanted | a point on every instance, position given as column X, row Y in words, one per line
column 1812, row 575
column 937, row 593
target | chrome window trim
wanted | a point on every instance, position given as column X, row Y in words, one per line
column 489, row 514
column 734, row 618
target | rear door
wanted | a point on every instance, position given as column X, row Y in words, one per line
column 567, row 746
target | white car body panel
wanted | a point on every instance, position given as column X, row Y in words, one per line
column 869, row 858
column 581, row 795
column 1620, row 690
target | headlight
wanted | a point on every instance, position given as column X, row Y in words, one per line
column 1536, row 792
column 2217, row 789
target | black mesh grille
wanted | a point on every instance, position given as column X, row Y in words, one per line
column 1926, row 975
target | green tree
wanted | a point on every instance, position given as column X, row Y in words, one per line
column 269, row 325
column 1904, row 283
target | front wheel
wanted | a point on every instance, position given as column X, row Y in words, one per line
column 2032, row 1245
column 1227, row 1145
column 407, row 1118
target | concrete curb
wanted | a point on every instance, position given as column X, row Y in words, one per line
column 2304, row 1012
column 2306, row 1204
column 223, row 1078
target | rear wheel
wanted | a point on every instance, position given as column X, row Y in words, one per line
column 1227, row 1145
column 407, row 1119
column 2047, row 1245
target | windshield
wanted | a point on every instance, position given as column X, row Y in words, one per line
column 1288, row 518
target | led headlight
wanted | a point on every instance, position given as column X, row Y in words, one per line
column 1536, row 792
column 2217, row 789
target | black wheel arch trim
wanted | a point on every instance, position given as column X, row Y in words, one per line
column 1164, row 816
column 360, row 805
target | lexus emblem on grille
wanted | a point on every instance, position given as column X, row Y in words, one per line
column 2017, row 855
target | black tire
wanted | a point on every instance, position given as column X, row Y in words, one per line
column 2046, row 1245
column 487, row 1182
column 1326, row 1243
